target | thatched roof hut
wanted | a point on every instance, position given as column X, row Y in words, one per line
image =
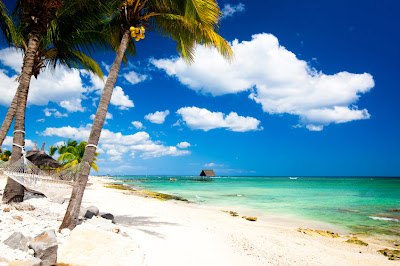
column 33, row 151
column 41, row 159
column 207, row 173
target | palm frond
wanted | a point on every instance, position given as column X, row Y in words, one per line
column 6, row 24
column 66, row 157
column 189, row 33
column 95, row 167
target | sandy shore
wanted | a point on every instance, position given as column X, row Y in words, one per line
column 154, row 232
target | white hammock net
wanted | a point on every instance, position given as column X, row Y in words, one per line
column 3, row 164
column 52, row 186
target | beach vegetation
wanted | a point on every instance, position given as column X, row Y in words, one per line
column 48, row 33
column 250, row 218
column 5, row 156
column 145, row 193
column 118, row 186
column 391, row 254
column 158, row 195
column 188, row 22
column 355, row 240
column 71, row 154
column 52, row 150
column 318, row 232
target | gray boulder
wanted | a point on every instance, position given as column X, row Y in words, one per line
column 108, row 216
column 103, row 224
column 91, row 211
column 17, row 241
column 58, row 200
column 82, row 212
column 45, row 247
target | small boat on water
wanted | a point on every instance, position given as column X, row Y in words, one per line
column 293, row 177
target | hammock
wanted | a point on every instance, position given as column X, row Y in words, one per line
column 3, row 164
column 52, row 186
column 29, row 175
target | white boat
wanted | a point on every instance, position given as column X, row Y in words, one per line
column 293, row 177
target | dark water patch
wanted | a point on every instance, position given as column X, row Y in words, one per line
column 347, row 210
column 233, row 195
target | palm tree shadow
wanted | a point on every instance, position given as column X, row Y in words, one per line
column 143, row 221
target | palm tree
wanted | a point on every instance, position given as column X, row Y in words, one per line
column 72, row 154
column 49, row 32
column 52, row 150
column 48, row 54
column 189, row 22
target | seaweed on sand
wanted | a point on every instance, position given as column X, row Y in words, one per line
column 391, row 254
column 145, row 193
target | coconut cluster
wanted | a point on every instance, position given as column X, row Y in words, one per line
column 137, row 33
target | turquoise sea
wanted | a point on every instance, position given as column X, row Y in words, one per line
column 358, row 204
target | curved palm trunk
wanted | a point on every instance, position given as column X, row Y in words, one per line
column 14, row 192
column 8, row 119
column 71, row 216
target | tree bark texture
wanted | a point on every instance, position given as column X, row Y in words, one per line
column 71, row 215
column 14, row 192
column 8, row 119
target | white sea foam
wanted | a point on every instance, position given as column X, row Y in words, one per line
column 384, row 218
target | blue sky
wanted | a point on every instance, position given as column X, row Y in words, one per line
column 312, row 90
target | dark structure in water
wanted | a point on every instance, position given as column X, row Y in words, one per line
column 207, row 173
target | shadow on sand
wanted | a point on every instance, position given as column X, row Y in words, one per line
column 138, row 222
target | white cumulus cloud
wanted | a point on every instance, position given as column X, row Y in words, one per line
column 120, row 99
column 62, row 86
column 157, row 117
column 229, row 10
column 213, row 165
column 276, row 79
column 137, row 124
column 12, row 58
column 183, row 145
column 134, row 78
column 201, row 118
column 53, row 112
column 117, row 145
column 8, row 141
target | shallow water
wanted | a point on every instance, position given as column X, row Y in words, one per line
column 359, row 204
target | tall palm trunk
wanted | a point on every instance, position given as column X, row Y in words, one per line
column 14, row 192
column 71, row 216
column 8, row 119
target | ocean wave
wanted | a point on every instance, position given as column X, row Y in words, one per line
column 384, row 218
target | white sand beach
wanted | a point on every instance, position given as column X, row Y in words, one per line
column 153, row 232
